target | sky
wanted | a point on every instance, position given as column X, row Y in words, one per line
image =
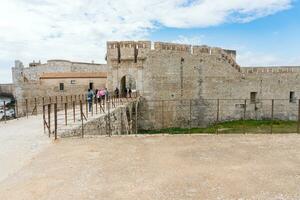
column 264, row 32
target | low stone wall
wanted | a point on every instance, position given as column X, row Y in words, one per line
column 121, row 121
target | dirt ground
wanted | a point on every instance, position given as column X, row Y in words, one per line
column 162, row 167
column 20, row 140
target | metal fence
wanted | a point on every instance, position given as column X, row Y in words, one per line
column 64, row 115
column 75, row 118
column 219, row 116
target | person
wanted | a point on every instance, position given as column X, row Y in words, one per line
column 90, row 96
column 99, row 95
column 129, row 91
column 106, row 93
column 117, row 92
column 102, row 94
column 125, row 92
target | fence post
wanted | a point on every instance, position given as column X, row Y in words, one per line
column 26, row 107
column 96, row 105
column 244, row 117
column 136, row 118
column 218, row 115
column 4, row 109
column 43, row 101
column 108, row 115
column 49, row 118
column 162, row 114
column 55, row 121
column 92, row 107
column 190, row 124
column 298, row 124
column 81, row 118
column 86, row 108
column 66, row 113
column 272, row 116
column 73, row 111
column 35, row 106
column 44, row 117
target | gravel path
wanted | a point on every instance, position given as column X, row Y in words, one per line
column 162, row 167
column 20, row 141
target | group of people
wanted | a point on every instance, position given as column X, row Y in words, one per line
column 101, row 94
column 97, row 95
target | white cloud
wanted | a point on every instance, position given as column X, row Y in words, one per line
column 193, row 40
column 78, row 29
column 249, row 58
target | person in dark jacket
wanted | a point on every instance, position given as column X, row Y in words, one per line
column 117, row 92
column 90, row 96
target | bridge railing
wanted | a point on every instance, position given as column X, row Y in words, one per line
column 34, row 106
column 72, row 118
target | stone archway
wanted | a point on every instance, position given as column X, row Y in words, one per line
column 127, row 82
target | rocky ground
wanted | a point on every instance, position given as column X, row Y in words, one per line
column 162, row 167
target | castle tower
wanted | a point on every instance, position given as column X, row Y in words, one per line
column 126, row 61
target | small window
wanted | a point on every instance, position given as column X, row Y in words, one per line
column 61, row 86
column 253, row 97
column 292, row 97
column 73, row 82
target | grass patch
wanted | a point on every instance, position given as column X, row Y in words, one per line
column 248, row 126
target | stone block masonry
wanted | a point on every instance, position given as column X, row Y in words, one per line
column 176, row 72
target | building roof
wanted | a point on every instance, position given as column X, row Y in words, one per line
column 62, row 75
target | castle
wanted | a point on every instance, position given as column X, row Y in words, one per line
column 174, row 73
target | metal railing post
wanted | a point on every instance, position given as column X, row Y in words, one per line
column 136, row 118
column 35, row 106
column 218, row 115
column 26, row 107
column 272, row 116
column 162, row 114
column 66, row 113
column 81, row 118
column 108, row 115
column 190, row 124
column 55, row 121
column 298, row 124
column 96, row 105
column 244, row 117
column 49, row 119
column 44, row 117
column 86, row 108
column 73, row 111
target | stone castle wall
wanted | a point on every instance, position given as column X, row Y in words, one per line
column 176, row 72
column 168, row 75
column 29, row 85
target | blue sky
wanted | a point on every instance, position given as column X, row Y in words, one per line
column 264, row 32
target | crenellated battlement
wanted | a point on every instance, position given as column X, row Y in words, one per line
column 137, row 50
column 271, row 69
column 172, row 47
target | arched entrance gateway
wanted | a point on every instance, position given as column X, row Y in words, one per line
column 127, row 82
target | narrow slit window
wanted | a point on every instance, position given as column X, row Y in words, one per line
column 292, row 97
column 253, row 96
